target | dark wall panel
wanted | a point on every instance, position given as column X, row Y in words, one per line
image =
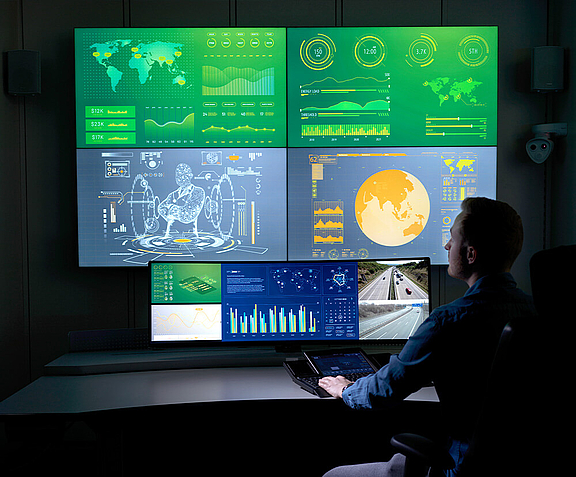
column 391, row 13
column 179, row 13
column 562, row 162
column 287, row 13
column 522, row 25
column 13, row 320
column 63, row 297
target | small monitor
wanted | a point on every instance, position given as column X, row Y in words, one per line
column 287, row 302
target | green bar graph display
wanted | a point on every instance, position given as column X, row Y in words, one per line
column 188, row 87
column 393, row 86
column 345, row 130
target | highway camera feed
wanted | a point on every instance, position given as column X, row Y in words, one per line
column 393, row 298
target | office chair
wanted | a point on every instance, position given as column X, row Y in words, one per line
column 515, row 432
column 505, row 431
column 552, row 276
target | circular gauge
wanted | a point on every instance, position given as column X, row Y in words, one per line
column 318, row 53
column 473, row 51
column 421, row 51
column 333, row 254
column 370, row 51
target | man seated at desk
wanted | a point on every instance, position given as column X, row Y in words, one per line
column 455, row 346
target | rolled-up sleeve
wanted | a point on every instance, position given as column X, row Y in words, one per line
column 404, row 374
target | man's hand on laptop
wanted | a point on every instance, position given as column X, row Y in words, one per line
column 334, row 385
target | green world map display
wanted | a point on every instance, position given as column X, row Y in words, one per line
column 180, row 87
column 198, row 87
column 392, row 86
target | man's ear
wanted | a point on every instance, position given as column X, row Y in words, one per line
column 471, row 255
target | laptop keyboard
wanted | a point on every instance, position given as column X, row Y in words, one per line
column 310, row 383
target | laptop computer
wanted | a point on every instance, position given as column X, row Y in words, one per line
column 350, row 363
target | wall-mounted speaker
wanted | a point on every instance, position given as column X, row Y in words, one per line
column 547, row 68
column 23, row 72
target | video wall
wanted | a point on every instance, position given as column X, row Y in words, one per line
column 260, row 144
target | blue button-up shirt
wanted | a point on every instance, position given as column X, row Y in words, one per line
column 453, row 348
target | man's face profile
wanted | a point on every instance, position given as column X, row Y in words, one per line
column 457, row 251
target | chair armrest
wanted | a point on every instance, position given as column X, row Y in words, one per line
column 423, row 450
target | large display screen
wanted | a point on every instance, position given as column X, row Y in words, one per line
column 180, row 87
column 263, row 144
column 137, row 205
column 360, row 203
column 287, row 301
column 396, row 86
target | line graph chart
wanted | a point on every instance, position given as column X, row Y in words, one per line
column 164, row 125
column 187, row 322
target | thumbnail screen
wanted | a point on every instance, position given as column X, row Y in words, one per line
column 140, row 205
column 287, row 301
column 392, row 86
column 180, row 87
column 371, row 203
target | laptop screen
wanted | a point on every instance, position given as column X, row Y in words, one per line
column 256, row 302
column 340, row 363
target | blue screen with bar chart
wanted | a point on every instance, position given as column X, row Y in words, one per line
column 242, row 302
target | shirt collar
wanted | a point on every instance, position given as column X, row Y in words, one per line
column 496, row 280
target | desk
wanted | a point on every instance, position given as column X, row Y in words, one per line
column 102, row 392
column 142, row 419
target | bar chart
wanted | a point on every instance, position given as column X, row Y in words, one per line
column 375, row 129
column 267, row 319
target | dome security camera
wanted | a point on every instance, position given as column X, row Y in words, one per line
column 541, row 146
column 539, row 149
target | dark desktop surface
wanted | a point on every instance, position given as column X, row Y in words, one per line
column 207, row 421
column 304, row 437
column 232, row 408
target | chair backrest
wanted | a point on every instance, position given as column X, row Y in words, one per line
column 507, row 424
column 553, row 279
column 553, row 275
column 524, row 393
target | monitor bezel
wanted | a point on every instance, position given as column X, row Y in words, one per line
column 279, row 345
